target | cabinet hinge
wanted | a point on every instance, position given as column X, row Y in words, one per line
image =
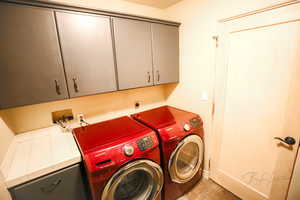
column 216, row 38
column 213, row 109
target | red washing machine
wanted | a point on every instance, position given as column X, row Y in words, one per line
column 122, row 160
column 181, row 142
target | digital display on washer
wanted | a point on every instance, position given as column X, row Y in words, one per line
column 145, row 143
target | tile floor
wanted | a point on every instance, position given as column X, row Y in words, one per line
column 209, row 190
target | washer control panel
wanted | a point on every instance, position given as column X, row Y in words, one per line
column 145, row 143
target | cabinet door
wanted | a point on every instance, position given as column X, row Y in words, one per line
column 165, row 53
column 30, row 62
column 87, row 50
column 133, row 52
column 66, row 184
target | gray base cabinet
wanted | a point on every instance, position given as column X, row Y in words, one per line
column 66, row 184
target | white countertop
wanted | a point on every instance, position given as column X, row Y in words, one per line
column 37, row 153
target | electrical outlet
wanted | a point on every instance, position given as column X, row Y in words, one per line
column 137, row 104
column 80, row 117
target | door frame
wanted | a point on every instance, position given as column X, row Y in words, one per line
column 269, row 16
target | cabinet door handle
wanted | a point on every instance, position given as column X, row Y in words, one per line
column 57, row 87
column 51, row 187
column 149, row 77
column 158, row 76
column 75, row 85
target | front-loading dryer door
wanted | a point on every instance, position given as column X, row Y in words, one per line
column 138, row 180
column 186, row 159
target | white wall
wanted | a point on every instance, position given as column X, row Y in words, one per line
column 117, row 6
column 4, row 194
column 99, row 107
column 6, row 136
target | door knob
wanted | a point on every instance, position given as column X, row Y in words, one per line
column 287, row 140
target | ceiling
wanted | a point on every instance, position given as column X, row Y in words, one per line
column 156, row 3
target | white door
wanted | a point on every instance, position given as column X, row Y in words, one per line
column 257, row 99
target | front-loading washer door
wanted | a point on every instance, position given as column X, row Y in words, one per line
column 138, row 180
column 186, row 159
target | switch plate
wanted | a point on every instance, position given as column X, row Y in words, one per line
column 204, row 96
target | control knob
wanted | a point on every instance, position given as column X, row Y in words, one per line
column 128, row 150
column 186, row 127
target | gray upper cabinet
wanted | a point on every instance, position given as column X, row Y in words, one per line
column 86, row 42
column 50, row 53
column 133, row 53
column 165, row 41
column 31, row 69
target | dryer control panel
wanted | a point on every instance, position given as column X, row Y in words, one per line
column 145, row 143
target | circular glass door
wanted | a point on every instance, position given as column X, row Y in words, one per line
column 141, row 179
column 186, row 160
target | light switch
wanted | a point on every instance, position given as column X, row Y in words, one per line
column 204, row 96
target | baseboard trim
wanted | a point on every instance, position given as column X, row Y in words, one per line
column 206, row 174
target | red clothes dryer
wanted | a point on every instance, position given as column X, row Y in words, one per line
column 181, row 142
column 122, row 160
